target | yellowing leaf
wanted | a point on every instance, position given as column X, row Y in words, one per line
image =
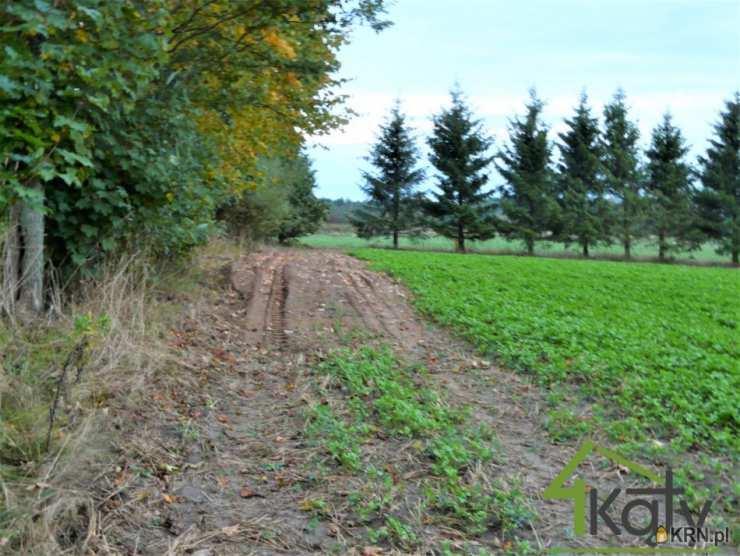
column 279, row 44
column 292, row 80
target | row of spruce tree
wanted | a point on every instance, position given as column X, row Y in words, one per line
column 601, row 189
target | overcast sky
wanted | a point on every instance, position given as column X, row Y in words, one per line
column 682, row 55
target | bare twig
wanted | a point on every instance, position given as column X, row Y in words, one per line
column 74, row 359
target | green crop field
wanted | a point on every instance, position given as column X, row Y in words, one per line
column 347, row 240
column 654, row 347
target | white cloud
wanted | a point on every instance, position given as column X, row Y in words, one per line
column 372, row 109
column 495, row 109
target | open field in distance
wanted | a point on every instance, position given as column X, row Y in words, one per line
column 345, row 239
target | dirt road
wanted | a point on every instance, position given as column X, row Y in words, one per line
column 219, row 464
column 298, row 299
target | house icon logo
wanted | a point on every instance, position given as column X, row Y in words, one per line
column 656, row 531
column 578, row 492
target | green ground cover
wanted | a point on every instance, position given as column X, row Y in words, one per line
column 347, row 240
column 654, row 347
column 379, row 394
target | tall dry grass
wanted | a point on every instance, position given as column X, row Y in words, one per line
column 121, row 316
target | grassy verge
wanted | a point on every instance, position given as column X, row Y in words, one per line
column 383, row 399
column 58, row 377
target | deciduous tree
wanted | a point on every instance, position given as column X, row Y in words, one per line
column 306, row 211
column 122, row 120
column 63, row 65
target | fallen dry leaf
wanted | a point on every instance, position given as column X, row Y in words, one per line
column 392, row 473
column 168, row 498
column 222, row 418
column 371, row 551
column 247, row 492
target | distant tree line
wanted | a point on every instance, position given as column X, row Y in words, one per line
column 340, row 210
column 601, row 189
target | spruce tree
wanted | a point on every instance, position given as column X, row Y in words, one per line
column 392, row 206
column 718, row 201
column 527, row 200
column 622, row 170
column 584, row 210
column 669, row 188
column 461, row 210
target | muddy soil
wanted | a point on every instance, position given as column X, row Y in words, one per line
column 218, row 463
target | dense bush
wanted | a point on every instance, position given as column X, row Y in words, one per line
column 124, row 121
column 281, row 205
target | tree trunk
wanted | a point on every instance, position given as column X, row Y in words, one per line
column 530, row 246
column 661, row 246
column 735, row 255
column 31, row 300
column 626, row 230
column 11, row 261
column 585, row 248
column 460, row 239
column 395, row 239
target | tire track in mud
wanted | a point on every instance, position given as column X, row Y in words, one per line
column 275, row 309
column 264, row 296
column 352, row 296
column 364, row 305
column 368, row 278
column 371, row 304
